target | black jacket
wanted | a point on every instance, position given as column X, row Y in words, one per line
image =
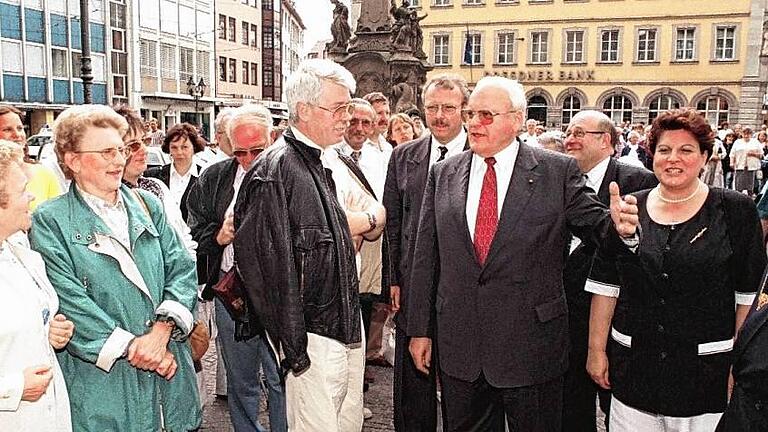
column 294, row 251
column 208, row 199
column 748, row 408
column 163, row 174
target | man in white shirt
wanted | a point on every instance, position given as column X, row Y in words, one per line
column 380, row 105
column 529, row 136
column 372, row 161
column 415, row 403
column 487, row 271
column 590, row 138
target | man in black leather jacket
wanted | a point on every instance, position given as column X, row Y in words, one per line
column 296, row 256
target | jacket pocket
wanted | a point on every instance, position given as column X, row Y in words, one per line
column 316, row 264
column 551, row 309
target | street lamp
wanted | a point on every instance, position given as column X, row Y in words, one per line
column 196, row 91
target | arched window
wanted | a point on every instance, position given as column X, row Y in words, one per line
column 571, row 106
column 537, row 108
column 618, row 108
column 715, row 109
column 661, row 104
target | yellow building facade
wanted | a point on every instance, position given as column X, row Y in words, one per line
column 631, row 59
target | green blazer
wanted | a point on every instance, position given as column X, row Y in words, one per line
column 111, row 294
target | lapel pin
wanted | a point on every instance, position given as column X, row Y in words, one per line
column 530, row 181
column 698, row 235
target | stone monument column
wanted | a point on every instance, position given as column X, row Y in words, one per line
column 377, row 63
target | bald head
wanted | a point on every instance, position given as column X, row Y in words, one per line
column 590, row 138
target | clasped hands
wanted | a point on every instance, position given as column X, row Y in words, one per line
column 150, row 351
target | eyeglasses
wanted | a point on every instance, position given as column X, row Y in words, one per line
column 255, row 152
column 134, row 145
column 581, row 133
column 447, row 109
column 484, row 116
column 111, row 153
column 340, row 110
column 356, row 121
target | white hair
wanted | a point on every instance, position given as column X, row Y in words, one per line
column 252, row 113
column 634, row 134
column 513, row 88
column 220, row 124
column 306, row 84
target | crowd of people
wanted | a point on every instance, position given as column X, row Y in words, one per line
column 514, row 278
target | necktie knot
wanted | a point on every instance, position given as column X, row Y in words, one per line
column 491, row 161
column 356, row 155
column 443, row 151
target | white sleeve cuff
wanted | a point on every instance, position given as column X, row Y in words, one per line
column 113, row 348
column 180, row 315
column 602, row 288
column 745, row 298
column 11, row 389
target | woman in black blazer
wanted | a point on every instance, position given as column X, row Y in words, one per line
column 182, row 141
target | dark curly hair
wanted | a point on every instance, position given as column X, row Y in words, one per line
column 183, row 130
column 687, row 119
column 135, row 123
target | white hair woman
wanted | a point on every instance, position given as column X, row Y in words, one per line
column 125, row 280
column 34, row 396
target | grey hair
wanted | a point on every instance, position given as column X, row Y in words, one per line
column 448, row 81
column 306, row 84
column 553, row 137
column 513, row 88
column 220, row 124
column 252, row 113
column 360, row 102
column 635, row 134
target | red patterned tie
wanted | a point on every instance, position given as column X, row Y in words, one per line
column 487, row 214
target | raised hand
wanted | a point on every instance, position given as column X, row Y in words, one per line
column 623, row 211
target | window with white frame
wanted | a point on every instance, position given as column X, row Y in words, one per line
column 474, row 2
column 440, row 49
column 475, row 45
column 571, row 106
column 661, row 104
column 505, row 47
column 76, row 64
column 609, row 46
column 34, row 60
column 725, row 42
column 186, row 64
column 646, row 45
column 222, row 30
column 149, row 13
column 715, row 109
column 186, row 21
column 685, row 44
column 442, row 2
column 539, row 47
column 222, row 69
column 148, row 57
column 574, row 46
column 203, row 65
column 12, row 57
column 618, row 108
column 59, row 63
column 168, row 61
column 99, row 64
column 204, row 25
column 170, row 13
column 415, row 3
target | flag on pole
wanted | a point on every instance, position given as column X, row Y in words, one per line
column 468, row 50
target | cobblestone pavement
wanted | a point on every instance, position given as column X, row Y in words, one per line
column 378, row 399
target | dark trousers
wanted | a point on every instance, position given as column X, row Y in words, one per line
column 579, row 391
column 478, row 406
column 415, row 394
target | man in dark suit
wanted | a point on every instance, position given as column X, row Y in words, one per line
column 488, row 263
column 748, row 408
column 415, row 402
column 590, row 139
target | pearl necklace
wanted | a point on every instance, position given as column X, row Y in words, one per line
column 678, row 200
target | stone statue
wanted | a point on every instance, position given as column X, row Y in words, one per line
column 402, row 27
column 340, row 28
column 418, row 36
column 764, row 50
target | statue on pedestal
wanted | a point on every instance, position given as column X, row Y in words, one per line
column 340, row 28
column 406, row 31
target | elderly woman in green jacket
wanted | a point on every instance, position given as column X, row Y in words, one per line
column 126, row 281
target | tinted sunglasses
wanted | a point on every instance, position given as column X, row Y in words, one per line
column 485, row 117
column 255, row 152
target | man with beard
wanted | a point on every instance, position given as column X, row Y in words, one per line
column 380, row 105
column 415, row 404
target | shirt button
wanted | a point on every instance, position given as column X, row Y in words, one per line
column 667, row 248
column 758, row 406
column 664, row 276
column 660, row 328
column 663, row 355
column 672, row 228
column 662, row 302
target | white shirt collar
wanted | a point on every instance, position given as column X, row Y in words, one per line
column 505, row 159
column 192, row 171
column 99, row 205
column 596, row 175
column 456, row 143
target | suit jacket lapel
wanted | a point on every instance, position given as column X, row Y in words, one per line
column 611, row 174
column 755, row 320
column 521, row 187
column 459, row 181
